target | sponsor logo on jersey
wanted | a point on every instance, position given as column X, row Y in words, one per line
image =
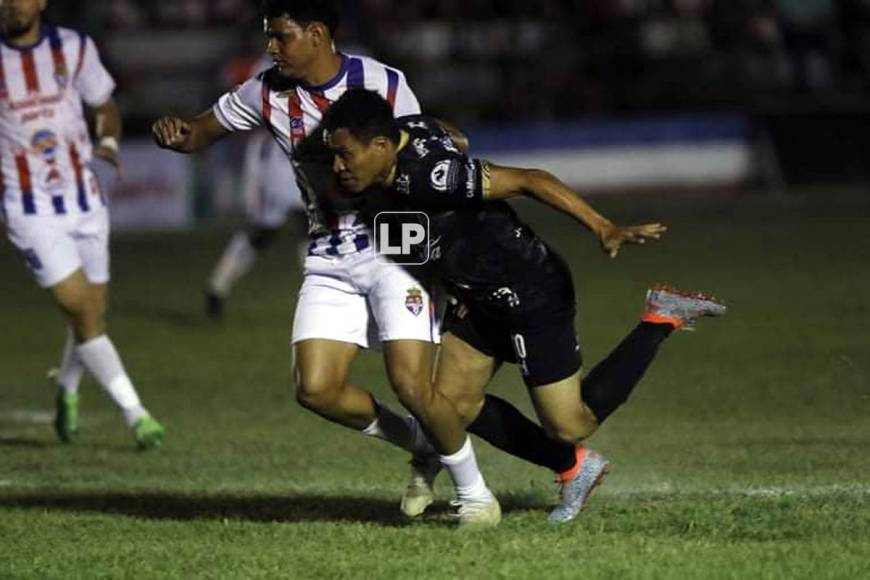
column 403, row 184
column 441, row 175
column 414, row 301
column 419, row 146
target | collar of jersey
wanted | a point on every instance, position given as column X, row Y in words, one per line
column 43, row 32
column 345, row 61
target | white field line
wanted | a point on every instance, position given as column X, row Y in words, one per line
column 27, row 416
column 795, row 490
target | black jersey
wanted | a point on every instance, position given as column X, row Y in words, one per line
column 482, row 251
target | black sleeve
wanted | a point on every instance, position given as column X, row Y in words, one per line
column 451, row 183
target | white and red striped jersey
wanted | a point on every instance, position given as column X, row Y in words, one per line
column 44, row 144
column 293, row 113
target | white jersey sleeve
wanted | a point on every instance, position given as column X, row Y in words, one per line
column 406, row 100
column 242, row 108
column 94, row 83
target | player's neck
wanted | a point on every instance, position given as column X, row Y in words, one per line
column 323, row 70
column 26, row 38
column 391, row 173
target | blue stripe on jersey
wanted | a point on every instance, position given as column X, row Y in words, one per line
column 356, row 76
column 361, row 242
column 27, row 202
column 54, row 40
column 83, row 198
column 59, row 206
column 334, row 242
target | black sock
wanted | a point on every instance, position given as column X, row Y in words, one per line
column 503, row 426
column 612, row 380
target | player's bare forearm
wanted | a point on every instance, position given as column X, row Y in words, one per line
column 107, row 129
column 188, row 135
column 546, row 188
column 107, row 120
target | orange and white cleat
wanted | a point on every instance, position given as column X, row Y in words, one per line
column 578, row 483
column 665, row 304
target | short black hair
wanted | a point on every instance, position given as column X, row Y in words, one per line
column 304, row 12
column 366, row 114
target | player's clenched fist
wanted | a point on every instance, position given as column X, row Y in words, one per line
column 171, row 132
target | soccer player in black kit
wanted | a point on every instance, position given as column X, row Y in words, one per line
column 514, row 294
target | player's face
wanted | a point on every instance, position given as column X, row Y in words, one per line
column 19, row 16
column 292, row 47
column 358, row 165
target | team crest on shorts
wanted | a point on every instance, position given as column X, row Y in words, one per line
column 414, row 301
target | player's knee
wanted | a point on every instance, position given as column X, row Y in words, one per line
column 414, row 390
column 573, row 431
column 467, row 406
column 316, row 393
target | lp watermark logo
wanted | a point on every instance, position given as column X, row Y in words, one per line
column 403, row 236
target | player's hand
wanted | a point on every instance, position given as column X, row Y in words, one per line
column 613, row 237
column 111, row 157
column 171, row 132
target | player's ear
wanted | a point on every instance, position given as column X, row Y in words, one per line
column 319, row 34
column 381, row 143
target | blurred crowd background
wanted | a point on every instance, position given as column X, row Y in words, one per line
column 612, row 95
column 497, row 60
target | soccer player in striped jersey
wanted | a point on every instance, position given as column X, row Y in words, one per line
column 346, row 284
column 270, row 196
column 51, row 203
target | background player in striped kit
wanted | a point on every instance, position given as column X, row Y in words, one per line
column 271, row 199
column 344, row 277
column 53, row 209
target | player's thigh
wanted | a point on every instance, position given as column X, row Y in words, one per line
column 400, row 304
column 462, row 373
column 47, row 246
column 321, row 367
column 409, row 366
column 561, row 410
column 329, row 307
column 91, row 235
column 77, row 297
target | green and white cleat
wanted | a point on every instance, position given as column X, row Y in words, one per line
column 66, row 418
column 420, row 492
column 148, row 433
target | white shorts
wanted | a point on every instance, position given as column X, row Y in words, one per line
column 269, row 185
column 55, row 246
column 342, row 298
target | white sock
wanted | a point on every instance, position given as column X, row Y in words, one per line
column 237, row 260
column 466, row 476
column 404, row 432
column 100, row 357
column 69, row 375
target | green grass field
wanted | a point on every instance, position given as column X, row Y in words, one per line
column 745, row 453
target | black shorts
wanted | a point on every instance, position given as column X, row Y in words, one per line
column 543, row 344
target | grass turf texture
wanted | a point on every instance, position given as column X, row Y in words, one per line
column 743, row 454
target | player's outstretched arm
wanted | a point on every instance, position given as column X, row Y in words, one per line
column 188, row 135
column 505, row 182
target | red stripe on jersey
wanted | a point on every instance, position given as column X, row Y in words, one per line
column 321, row 102
column 80, row 182
column 25, row 183
column 28, row 64
column 297, row 125
column 392, row 86
column 267, row 107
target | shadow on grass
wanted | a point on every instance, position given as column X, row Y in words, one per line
column 177, row 317
column 281, row 509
